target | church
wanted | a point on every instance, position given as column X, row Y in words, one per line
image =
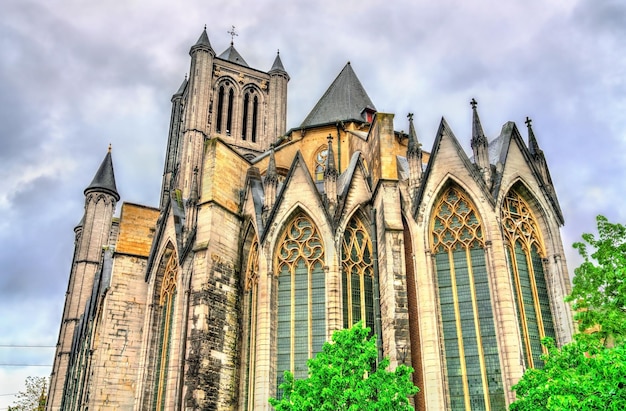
column 268, row 239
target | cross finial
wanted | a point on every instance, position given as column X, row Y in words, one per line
column 232, row 33
column 528, row 122
column 205, row 27
column 473, row 103
column 410, row 116
column 329, row 138
column 109, row 147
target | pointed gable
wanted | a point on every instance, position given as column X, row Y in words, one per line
column 345, row 99
column 514, row 160
column 448, row 158
column 298, row 188
column 353, row 188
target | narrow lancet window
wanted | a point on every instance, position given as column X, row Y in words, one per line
column 301, row 323
column 220, row 108
column 469, row 337
column 167, row 299
column 357, row 276
column 525, row 254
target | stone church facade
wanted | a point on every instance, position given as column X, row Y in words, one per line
column 266, row 240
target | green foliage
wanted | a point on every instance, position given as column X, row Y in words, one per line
column 345, row 376
column 599, row 292
column 33, row 398
column 582, row 375
column 590, row 372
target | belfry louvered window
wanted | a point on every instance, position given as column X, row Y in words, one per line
column 525, row 258
column 250, row 320
column 167, row 299
column 301, row 323
column 250, row 116
column 471, row 351
column 357, row 276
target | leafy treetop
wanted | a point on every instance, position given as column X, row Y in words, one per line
column 345, row 376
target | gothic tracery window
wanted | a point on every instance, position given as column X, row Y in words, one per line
column 470, row 346
column 301, row 322
column 167, row 299
column 251, row 300
column 357, row 276
column 525, row 254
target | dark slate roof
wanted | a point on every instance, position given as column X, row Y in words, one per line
column 232, row 55
column 182, row 87
column 345, row 99
column 278, row 65
column 104, row 180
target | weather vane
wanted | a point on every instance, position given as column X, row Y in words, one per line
column 232, row 33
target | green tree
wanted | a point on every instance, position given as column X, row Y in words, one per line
column 599, row 292
column 33, row 398
column 590, row 372
column 345, row 376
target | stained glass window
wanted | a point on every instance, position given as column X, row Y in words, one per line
column 167, row 300
column 250, row 310
column 525, row 252
column 471, row 355
column 357, row 276
column 301, row 322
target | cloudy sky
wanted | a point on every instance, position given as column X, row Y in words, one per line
column 77, row 75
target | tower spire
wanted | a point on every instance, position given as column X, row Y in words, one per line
column 270, row 183
column 537, row 154
column 414, row 157
column 330, row 177
column 480, row 146
column 533, row 146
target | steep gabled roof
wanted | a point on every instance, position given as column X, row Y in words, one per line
column 104, row 180
column 232, row 55
column 345, row 99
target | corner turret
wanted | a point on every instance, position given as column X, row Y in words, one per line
column 279, row 78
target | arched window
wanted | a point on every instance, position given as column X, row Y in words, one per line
column 525, row 253
column 244, row 119
column 320, row 163
column 167, row 298
column 229, row 115
column 471, row 350
column 250, row 316
column 357, row 276
column 255, row 114
column 301, row 323
column 220, row 108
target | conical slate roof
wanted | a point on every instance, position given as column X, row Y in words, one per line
column 104, row 180
column 232, row 55
column 345, row 99
column 278, row 64
column 202, row 43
